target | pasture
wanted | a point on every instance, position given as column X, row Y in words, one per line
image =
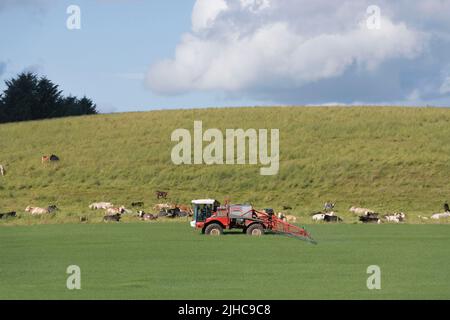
column 173, row 261
column 386, row 159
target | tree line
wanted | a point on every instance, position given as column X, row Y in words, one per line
column 30, row 97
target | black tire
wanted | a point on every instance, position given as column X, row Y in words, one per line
column 214, row 229
column 255, row 230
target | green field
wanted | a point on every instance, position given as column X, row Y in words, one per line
column 173, row 261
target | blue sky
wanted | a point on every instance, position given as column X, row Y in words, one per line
column 134, row 55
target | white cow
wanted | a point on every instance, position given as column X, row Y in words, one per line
column 36, row 210
column 100, row 205
column 290, row 218
column 162, row 207
column 363, row 211
column 397, row 217
column 147, row 216
column 318, row 217
column 438, row 216
column 286, row 218
column 2, row 170
column 113, row 211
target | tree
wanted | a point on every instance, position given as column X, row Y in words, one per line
column 49, row 101
column 19, row 97
column 28, row 97
column 76, row 107
column 87, row 106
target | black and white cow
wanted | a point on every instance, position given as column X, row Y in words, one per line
column 8, row 215
column 370, row 218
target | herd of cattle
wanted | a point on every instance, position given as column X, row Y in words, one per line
column 364, row 215
column 114, row 213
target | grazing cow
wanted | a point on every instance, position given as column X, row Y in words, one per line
column 446, row 207
column 438, row 216
column 8, row 215
column 112, row 217
column 162, row 207
column 137, row 204
column 286, row 218
column 327, row 217
column 147, row 216
column 318, row 217
column 396, row 217
column 370, row 218
column 290, row 218
column 84, row 219
column 328, row 206
column 185, row 210
column 36, row 210
column 113, row 211
column 2, row 170
column 100, row 205
column 363, row 211
column 161, row 194
column 287, row 208
column 332, row 218
column 52, row 208
column 162, row 213
column 173, row 213
column 51, row 158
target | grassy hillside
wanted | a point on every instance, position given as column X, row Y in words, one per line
column 383, row 158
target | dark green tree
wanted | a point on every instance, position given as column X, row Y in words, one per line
column 19, row 97
column 28, row 97
column 76, row 107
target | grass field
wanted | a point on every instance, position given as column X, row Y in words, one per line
column 387, row 159
column 171, row 261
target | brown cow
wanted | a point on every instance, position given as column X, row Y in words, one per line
column 52, row 158
column 147, row 216
column 161, row 194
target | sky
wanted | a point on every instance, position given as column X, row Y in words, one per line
column 136, row 55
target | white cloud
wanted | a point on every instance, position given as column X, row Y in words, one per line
column 258, row 46
column 205, row 12
column 255, row 5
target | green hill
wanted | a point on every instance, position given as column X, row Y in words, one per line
column 387, row 159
